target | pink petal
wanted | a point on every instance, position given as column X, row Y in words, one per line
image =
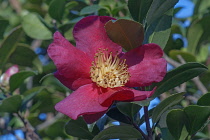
column 83, row 101
column 72, row 83
column 142, row 95
column 109, row 95
column 90, row 35
column 145, row 65
column 90, row 118
column 71, row 63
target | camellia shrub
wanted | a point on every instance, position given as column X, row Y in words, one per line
column 79, row 69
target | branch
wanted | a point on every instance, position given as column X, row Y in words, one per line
column 49, row 122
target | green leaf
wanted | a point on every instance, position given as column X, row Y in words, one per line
column 188, row 57
column 194, row 34
column 3, row 24
column 11, row 104
column 166, row 134
column 158, row 8
column 129, row 109
column 159, row 31
column 23, row 55
column 165, row 104
column 119, row 132
column 34, row 28
column 56, row 129
column 178, row 76
column 30, row 94
column 17, row 79
column 115, row 114
column 176, row 123
column 128, row 34
column 204, row 100
column 139, row 9
column 56, row 9
column 196, row 117
column 78, row 128
column 9, row 45
column 90, row 9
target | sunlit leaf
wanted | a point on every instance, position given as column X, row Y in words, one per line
column 90, row 9
column 165, row 104
column 188, row 57
column 159, row 31
column 129, row 34
column 34, row 28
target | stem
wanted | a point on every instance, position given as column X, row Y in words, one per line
column 146, row 116
column 137, row 127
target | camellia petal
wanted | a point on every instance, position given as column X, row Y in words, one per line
column 146, row 65
column 109, row 95
column 83, row 101
column 72, row 83
column 90, row 118
column 90, row 35
column 71, row 62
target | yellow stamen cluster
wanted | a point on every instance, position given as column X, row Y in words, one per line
column 109, row 71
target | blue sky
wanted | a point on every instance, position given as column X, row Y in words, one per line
column 187, row 9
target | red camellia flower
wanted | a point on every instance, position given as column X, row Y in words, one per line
column 99, row 72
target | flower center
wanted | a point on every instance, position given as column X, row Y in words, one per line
column 109, row 71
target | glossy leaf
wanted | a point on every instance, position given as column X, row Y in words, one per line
column 90, row 9
column 9, row 45
column 119, row 132
column 56, row 129
column 30, row 94
column 159, row 31
column 194, row 34
column 188, row 57
column 3, row 24
column 204, row 100
column 165, row 104
column 17, row 79
column 78, row 128
column 129, row 109
column 23, row 56
column 176, row 122
column 56, row 9
column 139, row 9
column 11, row 104
column 115, row 114
column 158, row 8
column 128, row 34
column 34, row 28
column 178, row 76
column 196, row 117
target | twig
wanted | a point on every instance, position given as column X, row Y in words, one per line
column 146, row 116
column 30, row 133
column 49, row 122
column 137, row 127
